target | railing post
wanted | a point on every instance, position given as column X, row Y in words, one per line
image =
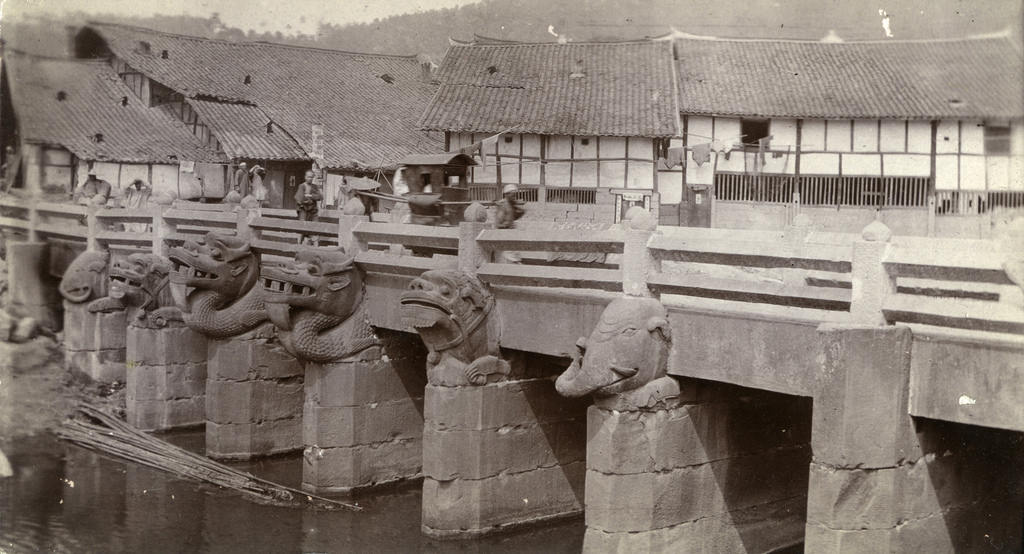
column 162, row 228
column 346, row 238
column 872, row 283
column 91, row 228
column 248, row 210
column 471, row 255
column 931, row 215
column 637, row 261
column 33, row 218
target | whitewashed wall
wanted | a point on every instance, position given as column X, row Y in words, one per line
column 870, row 147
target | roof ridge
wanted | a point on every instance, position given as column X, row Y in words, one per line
column 247, row 42
column 682, row 35
column 457, row 43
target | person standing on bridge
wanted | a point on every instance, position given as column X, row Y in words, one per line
column 92, row 190
column 509, row 209
column 307, row 198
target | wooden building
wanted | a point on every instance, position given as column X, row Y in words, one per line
column 259, row 102
column 580, row 124
column 61, row 117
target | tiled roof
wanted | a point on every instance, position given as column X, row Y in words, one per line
column 242, row 131
column 91, row 104
column 611, row 89
column 368, row 103
column 966, row 78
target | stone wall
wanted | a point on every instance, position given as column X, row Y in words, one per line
column 94, row 343
column 725, row 470
column 363, row 418
column 502, row 454
column 166, row 377
column 254, row 392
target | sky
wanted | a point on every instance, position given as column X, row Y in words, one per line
column 288, row 16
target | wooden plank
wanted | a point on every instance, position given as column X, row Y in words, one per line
column 305, row 227
column 994, row 317
column 750, row 291
column 752, row 254
column 383, row 262
column 547, row 276
column 8, row 201
column 408, row 234
column 551, row 240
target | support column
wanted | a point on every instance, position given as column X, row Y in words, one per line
column 881, row 481
column 94, row 343
column 166, row 377
column 362, row 421
column 500, row 455
column 254, row 392
column 31, row 290
column 717, row 468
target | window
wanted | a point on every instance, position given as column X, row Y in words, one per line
column 753, row 130
column 997, row 140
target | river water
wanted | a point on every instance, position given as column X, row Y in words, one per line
column 66, row 499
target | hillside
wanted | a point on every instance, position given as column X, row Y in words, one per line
column 529, row 20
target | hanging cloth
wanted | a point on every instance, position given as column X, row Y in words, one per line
column 675, row 156
column 702, row 153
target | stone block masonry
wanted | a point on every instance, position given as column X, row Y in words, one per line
column 166, row 378
column 94, row 343
column 30, row 289
column 883, row 481
column 720, row 469
column 362, row 423
column 254, row 395
column 500, row 455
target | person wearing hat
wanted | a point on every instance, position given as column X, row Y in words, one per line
column 509, row 209
column 92, row 188
column 240, row 181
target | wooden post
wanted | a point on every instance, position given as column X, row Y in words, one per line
column 931, row 214
column 346, row 238
column 872, row 283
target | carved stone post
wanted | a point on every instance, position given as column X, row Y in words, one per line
column 636, row 259
column 872, row 283
column 471, row 255
column 500, row 448
column 92, row 228
column 162, row 228
column 346, row 239
column 362, row 413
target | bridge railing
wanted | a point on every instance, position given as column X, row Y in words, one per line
column 495, row 243
column 400, row 249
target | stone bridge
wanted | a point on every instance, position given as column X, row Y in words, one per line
column 723, row 390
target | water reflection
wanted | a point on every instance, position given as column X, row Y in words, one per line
column 66, row 499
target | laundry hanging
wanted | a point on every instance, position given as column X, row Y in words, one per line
column 701, row 153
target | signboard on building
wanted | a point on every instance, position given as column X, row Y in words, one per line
column 317, row 148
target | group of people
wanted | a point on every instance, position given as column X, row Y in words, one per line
column 98, row 192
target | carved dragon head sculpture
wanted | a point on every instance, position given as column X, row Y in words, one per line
column 86, row 277
column 454, row 315
column 625, row 359
column 140, row 281
column 222, row 264
column 315, row 303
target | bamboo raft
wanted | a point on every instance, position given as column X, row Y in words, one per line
column 98, row 430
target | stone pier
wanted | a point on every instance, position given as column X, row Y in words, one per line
column 254, row 392
column 717, row 469
column 94, row 343
column 32, row 292
column 883, row 481
column 362, row 422
column 166, row 377
column 500, row 455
